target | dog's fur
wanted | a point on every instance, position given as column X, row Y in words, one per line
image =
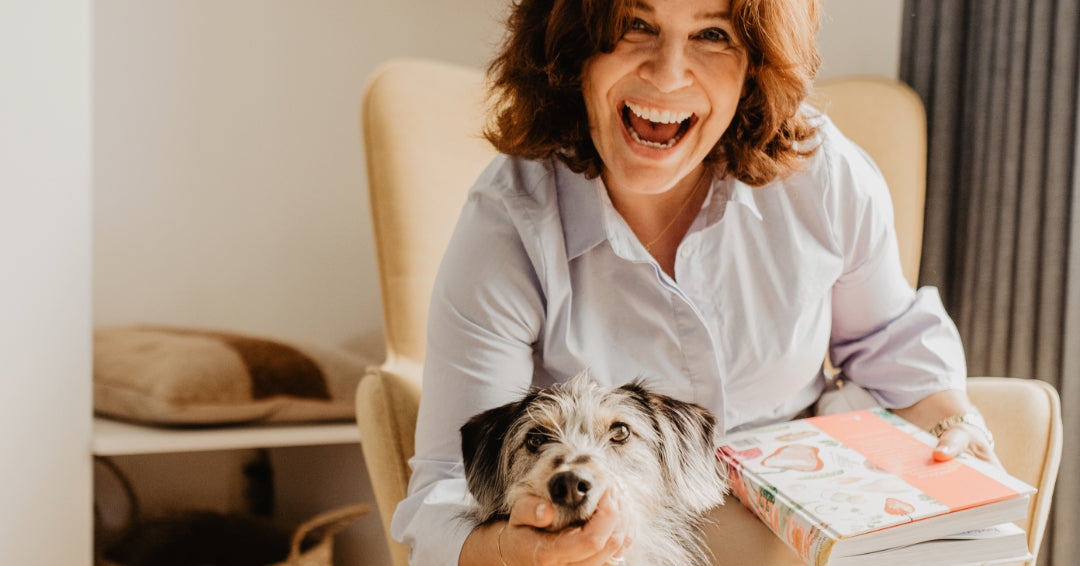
column 571, row 437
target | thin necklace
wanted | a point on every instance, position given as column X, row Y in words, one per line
column 649, row 245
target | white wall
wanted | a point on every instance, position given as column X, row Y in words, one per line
column 861, row 37
column 45, row 511
column 229, row 186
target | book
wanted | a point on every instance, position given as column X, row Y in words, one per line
column 1005, row 543
column 853, row 488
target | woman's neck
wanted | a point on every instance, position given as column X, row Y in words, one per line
column 661, row 219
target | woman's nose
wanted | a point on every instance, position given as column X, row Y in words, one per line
column 666, row 68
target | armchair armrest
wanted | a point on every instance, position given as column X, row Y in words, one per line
column 387, row 401
column 1025, row 417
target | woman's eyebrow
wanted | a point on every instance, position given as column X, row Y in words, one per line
column 721, row 15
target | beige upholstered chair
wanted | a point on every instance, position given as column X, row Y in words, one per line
column 421, row 122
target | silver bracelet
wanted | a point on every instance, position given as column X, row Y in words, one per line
column 971, row 419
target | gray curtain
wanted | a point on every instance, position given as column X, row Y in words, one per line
column 1002, row 237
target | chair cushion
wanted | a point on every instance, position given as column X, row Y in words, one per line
column 1021, row 443
column 179, row 376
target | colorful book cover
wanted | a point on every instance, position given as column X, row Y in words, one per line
column 820, row 480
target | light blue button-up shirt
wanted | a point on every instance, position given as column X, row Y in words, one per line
column 543, row 278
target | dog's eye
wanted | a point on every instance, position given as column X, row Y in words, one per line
column 620, row 433
column 535, row 438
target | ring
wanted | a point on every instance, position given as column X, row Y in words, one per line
column 619, row 560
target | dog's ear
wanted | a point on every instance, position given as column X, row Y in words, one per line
column 687, row 448
column 482, row 440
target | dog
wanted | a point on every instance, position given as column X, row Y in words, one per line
column 571, row 442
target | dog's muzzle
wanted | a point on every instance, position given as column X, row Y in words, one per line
column 569, row 489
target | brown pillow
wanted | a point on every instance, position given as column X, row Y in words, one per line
column 182, row 376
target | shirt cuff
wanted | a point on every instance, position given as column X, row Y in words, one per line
column 432, row 523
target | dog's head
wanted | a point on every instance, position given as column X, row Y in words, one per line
column 570, row 443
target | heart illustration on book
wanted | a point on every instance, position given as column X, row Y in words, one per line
column 894, row 506
column 797, row 457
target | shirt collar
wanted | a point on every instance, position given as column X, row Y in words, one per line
column 580, row 208
column 589, row 218
column 743, row 194
column 622, row 239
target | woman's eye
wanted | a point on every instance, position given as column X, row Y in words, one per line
column 620, row 433
column 715, row 35
column 638, row 25
column 534, row 439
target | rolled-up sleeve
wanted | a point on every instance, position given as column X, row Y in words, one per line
column 898, row 343
column 485, row 314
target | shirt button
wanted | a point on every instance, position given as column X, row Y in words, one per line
column 687, row 251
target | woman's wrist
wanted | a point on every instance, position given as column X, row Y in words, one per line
column 483, row 546
column 932, row 409
column 972, row 419
column 498, row 543
column 945, row 410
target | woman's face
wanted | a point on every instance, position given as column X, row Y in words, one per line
column 660, row 101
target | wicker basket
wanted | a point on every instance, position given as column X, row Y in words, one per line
column 320, row 529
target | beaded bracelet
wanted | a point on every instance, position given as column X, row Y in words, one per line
column 970, row 419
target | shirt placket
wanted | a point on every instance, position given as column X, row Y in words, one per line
column 704, row 359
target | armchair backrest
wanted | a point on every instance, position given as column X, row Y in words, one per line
column 421, row 123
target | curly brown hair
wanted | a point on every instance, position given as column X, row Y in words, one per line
column 539, row 109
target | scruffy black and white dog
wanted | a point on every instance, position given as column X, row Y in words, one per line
column 571, row 442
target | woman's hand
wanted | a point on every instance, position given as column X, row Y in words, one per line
column 962, row 437
column 958, row 438
column 523, row 542
column 603, row 539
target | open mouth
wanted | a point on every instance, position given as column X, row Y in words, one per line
column 659, row 129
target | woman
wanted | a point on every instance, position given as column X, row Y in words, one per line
column 666, row 207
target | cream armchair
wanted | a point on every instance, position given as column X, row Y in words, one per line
column 421, row 124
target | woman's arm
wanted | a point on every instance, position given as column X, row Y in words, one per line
column 483, row 547
column 485, row 315
column 899, row 344
column 935, row 407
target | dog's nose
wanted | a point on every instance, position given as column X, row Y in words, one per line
column 569, row 489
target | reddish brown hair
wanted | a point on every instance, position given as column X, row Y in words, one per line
column 539, row 109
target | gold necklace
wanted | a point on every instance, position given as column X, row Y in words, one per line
column 648, row 246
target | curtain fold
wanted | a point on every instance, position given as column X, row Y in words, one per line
column 1002, row 230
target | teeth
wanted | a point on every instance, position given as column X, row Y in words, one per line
column 648, row 143
column 658, row 116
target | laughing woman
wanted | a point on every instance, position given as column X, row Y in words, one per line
column 666, row 206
